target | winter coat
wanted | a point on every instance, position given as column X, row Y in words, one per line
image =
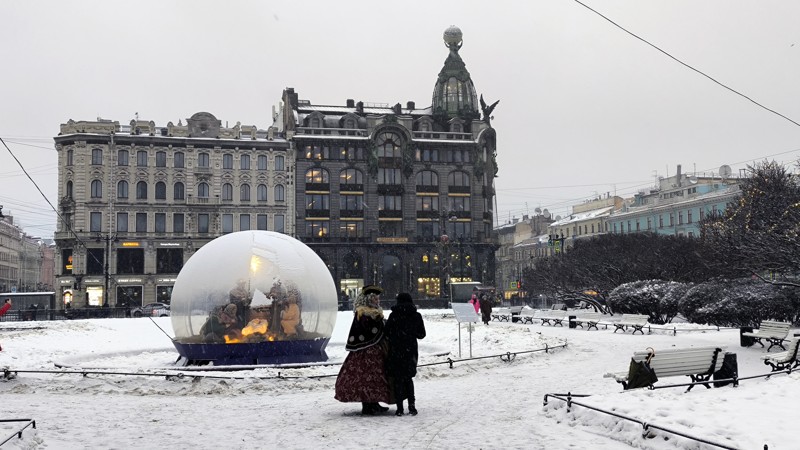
column 362, row 377
column 5, row 308
column 403, row 328
column 486, row 309
column 476, row 303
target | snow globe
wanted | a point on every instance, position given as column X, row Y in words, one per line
column 253, row 297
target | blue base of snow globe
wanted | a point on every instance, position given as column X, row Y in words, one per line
column 275, row 352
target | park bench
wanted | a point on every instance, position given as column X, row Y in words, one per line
column 589, row 318
column 784, row 360
column 774, row 332
column 527, row 314
column 698, row 363
column 559, row 307
column 501, row 314
column 635, row 321
column 551, row 317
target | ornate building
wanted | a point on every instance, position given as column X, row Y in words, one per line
column 137, row 201
column 398, row 196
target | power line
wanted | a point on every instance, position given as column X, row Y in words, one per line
column 685, row 64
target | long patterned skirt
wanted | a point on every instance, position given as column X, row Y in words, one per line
column 362, row 377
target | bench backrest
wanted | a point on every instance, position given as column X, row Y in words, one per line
column 635, row 318
column 589, row 315
column 516, row 309
column 683, row 361
column 500, row 311
column 559, row 306
column 773, row 328
column 550, row 313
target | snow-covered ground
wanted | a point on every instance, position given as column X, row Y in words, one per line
column 483, row 403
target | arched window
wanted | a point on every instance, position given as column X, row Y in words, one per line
column 178, row 191
column 141, row 190
column 97, row 189
column 351, row 176
column 427, row 178
column 69, row 189
column 388, row 145
column 244, row 193
column 227, row 192
column 458, row 178
column 279, row 192
column 317, row 176
column 161, row 190
column 261, row 191
column 202, row 190
column 122, row 189
column 203, row 160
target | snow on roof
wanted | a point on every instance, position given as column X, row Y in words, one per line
column 588, row 215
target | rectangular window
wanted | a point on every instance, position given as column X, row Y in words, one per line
column 96, row 222
column 122, row 222
column 161, row 159
column 202, row 223
column 262, row 162
column 141, row 222
column 261, row 222
column 660, row 221
column 672, row 219
column 97, row 157
column 244, row 162
column 177, row 223
column 161, row 222
column 227, row 223
column 351, row 229
column 390, row 228
column 317, row 228
column 279, row 164
column 389, row 203
column 227, row 161
column 702, row 212
column 244, row 222
column 279, row 227
column 122, row 158
column 178, row 163
column 689, row 216
column 649, row 223
column 169, row 260
column 70, row 154
column 66, row 261
column 141, row 158
column 130, row 261
column 95, row 259
column 202, row 160
column 428, row 203
column 352, row 203
column 680, row 217
column 389, row 176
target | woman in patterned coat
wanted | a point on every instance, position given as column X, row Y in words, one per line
column 362, row 377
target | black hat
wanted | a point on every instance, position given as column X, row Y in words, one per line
column 371, row 289
column 404, row 297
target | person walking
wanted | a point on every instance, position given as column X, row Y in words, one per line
column 475, row 303
column 486, row 309
column 4, row 309
column 403, row 329
column 362, row 377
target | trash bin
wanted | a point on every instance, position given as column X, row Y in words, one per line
column 729, row 369
column 746, row 341
column 572, row 323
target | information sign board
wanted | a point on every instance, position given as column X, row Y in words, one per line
column 465, row 313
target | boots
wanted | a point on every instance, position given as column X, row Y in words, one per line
column 412, row 408
column 400, row 408
column 372, row 408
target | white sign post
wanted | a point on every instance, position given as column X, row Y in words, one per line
column 465, row 313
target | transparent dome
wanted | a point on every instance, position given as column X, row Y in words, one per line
column 253, row 287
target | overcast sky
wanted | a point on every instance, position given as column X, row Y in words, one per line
column 585, row 108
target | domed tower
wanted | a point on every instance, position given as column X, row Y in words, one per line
column 454, row 94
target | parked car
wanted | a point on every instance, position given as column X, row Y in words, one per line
column 151, row 309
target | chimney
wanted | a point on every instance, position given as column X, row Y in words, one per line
column 360, row 107
column 410, row 106
column 679, row 174
column 397, row 109
column 351, row 103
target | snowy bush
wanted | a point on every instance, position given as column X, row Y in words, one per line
column 655, row 298
column 739, row 302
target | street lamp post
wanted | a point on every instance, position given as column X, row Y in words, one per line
column 106, row 279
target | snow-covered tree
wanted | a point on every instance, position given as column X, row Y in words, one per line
column 739, row 302
column 655, row 298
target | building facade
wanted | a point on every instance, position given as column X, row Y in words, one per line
column 398, row 196
column 677, row 205
column 137, row 201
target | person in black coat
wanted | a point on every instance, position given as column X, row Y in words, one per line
column 403, row 328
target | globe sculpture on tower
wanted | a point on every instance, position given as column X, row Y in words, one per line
column 253, row 297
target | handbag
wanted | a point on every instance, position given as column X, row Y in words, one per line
column 640, row 374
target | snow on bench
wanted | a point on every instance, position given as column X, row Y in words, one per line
column 506, row 314
column 774, row 332
column 635, row 321
column 548, row 315
column 591, row 319
column 698, row 363
column 527, row 314
column 784, row 360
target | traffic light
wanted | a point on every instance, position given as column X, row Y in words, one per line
column 519, row 284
